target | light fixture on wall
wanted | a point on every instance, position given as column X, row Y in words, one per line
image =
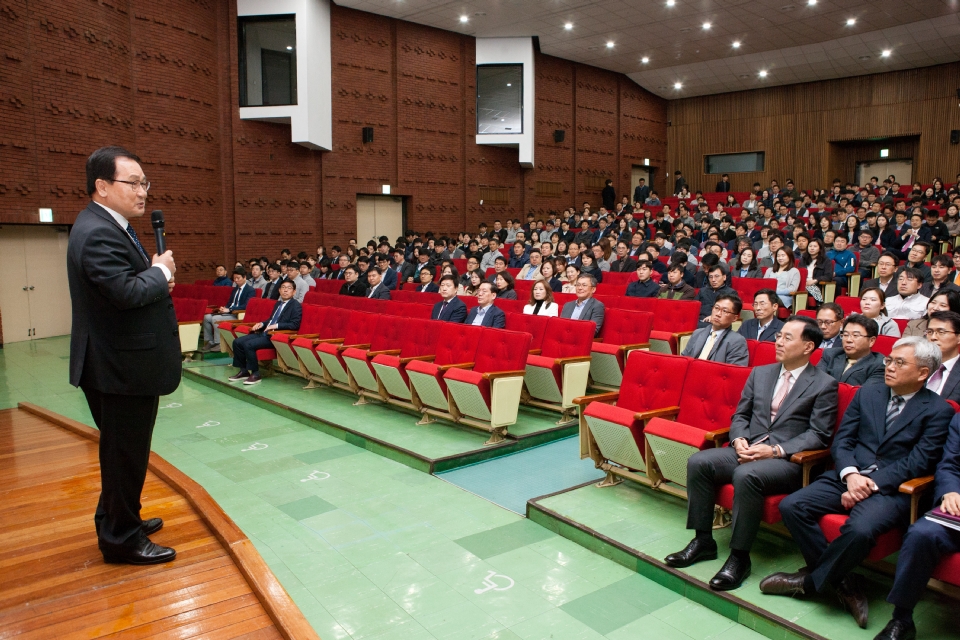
column 46, row 215
column 884, row 153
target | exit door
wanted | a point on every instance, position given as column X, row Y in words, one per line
column 379, row 216
column 34, row 294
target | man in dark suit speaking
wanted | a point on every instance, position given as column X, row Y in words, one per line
column 124, row 346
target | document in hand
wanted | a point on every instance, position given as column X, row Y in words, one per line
column 941, row 517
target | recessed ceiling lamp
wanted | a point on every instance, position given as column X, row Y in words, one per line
column 644, row 59
column 670, row 3
column 810, row 3
column 568, row 26
column 706, row 26
column 464, row 18
column 678, row 85
column 885, row 53
column 851, row 22
column 289, row 48
column 610, row 45
column 736, row 44
column 763, row 73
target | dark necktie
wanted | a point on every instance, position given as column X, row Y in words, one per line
column 136, row 240
column 276, row 314
column 235, row 297
column 893, row 410
column 442, row 308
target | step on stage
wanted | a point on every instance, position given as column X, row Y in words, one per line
column 54, row 581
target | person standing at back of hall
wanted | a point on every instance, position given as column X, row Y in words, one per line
column 124, row 346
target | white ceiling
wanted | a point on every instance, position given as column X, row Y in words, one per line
column 792, row 41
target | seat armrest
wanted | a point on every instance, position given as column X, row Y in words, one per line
column 276, row 331
column 917, row 486
column 308, row 336
column 717, row 437
column 809, row 457
column 680, row 334
column 493, row 375
column 611, row 396
column 344, row 347
column 412, row 358
column 535, row 352
column 456, row 365
column 384, row 352
column 240, row 324
column 572, row 359
column 328, row 340
column 631, row 347
column 665, row 412
column 598, row 339
column 181, row 323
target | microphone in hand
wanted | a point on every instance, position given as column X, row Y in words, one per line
column 156, row 218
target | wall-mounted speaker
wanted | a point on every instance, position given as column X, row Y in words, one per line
column 955, row 136
column 367, row 135
column 559, row 135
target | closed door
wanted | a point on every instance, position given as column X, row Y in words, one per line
column 379, row 216
column 902, row 169
column 34, row 294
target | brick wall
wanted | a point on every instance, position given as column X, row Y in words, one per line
column 161, row 78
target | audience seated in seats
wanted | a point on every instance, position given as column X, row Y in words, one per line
column 844, row 260
column 541, row 301
column 488, row 259
column 911, row 236
column 716, row 341
column 746, row 265
column 241, row 294
column 504, row 284
column 915, row 258
column 886, row 279
column 342, row 261
column 585, row 307
column 785, row 408
column 486, row 314
column 854, row 362
column 387, row 275
column 643, row 286
column 548, row 273
column 451, row 308
column 285, row 317
column 940, row 268
column 873, row 305
column 945, row 300
column 531, row 270
column 943, row 329
column 352, row 285
column 256, row 279
column 624, row 263
column 765, row 325
column 589, row 266
column 830, row 320
column 474, row 279
column 378, row 290
column 572, row 272
column 908, row 304
column 427, row 285
column 293, row 274
column 890, row 434
column 716, row 286
column 786, row 274
column 271, row 289
column 304, row 269
column 222, row 280
column 674, row 287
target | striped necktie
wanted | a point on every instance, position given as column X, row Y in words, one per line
column 893, row 410
column 136, row 240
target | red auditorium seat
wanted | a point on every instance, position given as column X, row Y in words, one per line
column 258, row 310
column 189, row 312
column 536, row 326
column 884, row 344
column 420, row 345
column 848, row 304
column 611, row 424
column 510, row 306
column 608, row 289
column 747, row 288
column 334, row 324
column 488, row 395
column 457, row 349
column 560, row 372
column 358, row 332
column 329, row 286
column 623, row 332
column 204, row 283
column 674, row 321
column 396, row 337
column 711, row 392
column 470, row 301
column 616, row 278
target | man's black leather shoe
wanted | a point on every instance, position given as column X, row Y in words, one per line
column 783, row 584
column 898, row 630
column 151, row 525
column 731, row 575
column 143, row 552
column 698, row 549
column 854, row 599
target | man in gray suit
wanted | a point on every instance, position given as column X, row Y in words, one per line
column 585, row 307
column 785, row 408
column 854, row 363
column 717, row 342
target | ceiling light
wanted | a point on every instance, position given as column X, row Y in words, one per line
column 851, row 22
column 610, row 45
column 568, row 26
column 810, row 3
column 885, row 53
column 736, row 44
column 706, row 25
column 644, row 59
column 464, row 18
column 509, row 84
column 670, row 3
column 678, row 85
column 763, row 73
column 289, row 48
column 884, row 153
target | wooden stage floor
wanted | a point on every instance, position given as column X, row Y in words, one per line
column 54, row 583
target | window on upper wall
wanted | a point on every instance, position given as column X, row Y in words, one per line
column 499, row 99
column 268, row 60
column 733, row 162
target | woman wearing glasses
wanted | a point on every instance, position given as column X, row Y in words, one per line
column 948, row 300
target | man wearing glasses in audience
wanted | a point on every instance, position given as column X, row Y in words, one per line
column 943, row 330
column 716, row 342
column 830, row 320
column 854, row 363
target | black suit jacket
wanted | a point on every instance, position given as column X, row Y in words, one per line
column 124, row 338
column 272, row 289
column 357, row 290
column 455, row 311
column 866, row 370
column 948, row 471
column 750, row 327
column 289, row 319
column 427, row 288
column 494, row 317
column 382, row 292
column 911, row 447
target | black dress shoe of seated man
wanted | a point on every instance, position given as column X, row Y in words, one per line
column 142, row 552
column 698, row 549
column 732, row 574
column 784, row 584
column 898, row 630
column 854, row 600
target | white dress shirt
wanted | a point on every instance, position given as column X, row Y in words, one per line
column 909, row 308
column 123, row 224
column 948, row 367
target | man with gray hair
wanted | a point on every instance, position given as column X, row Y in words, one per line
column 890, row 433
column 585, row 307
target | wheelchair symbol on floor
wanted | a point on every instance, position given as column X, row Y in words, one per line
column 172, row 405
column 208, row 423
column 490, row 585
column 316, row 475
column 256, row 446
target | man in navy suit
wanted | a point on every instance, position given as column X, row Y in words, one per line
column 427, row 285
column 377, row 290
column 241, row 294
column 764, row 325
column 388, row 275
column 926, row 543
column 285, row 317
column 890, row 433
column 486, row 314
column 451, row 308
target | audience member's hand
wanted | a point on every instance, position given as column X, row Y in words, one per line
column 740, row 445
column 272, row 327
column 847, row 501
column 257, row 327
column 860, row 487
column 756, row 452
column 224, row 310
column 951, row 503
column 166, row 260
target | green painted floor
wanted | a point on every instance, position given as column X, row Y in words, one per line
column 653, row 523
column 370, row 548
